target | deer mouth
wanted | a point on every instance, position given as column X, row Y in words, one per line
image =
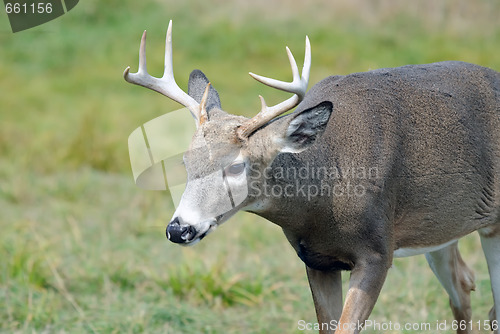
column 211, row 227
column 207, row 227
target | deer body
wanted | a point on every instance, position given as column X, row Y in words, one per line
column 391, row 162
column 429, row 131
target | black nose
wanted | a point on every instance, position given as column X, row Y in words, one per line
column 180, row 234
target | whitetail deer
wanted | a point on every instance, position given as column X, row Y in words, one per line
column 370, row 166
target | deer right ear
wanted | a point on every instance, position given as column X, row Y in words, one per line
column 306, row 127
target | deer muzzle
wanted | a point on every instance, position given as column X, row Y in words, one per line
column 180, row 234
column 186, row 234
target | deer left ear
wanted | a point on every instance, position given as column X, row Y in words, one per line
column 196, row 87
column 306, row 127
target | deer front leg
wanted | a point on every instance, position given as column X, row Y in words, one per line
column 326, row 289
column 367, row 279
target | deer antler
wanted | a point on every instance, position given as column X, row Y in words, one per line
column 165, row 85
column 298, row 86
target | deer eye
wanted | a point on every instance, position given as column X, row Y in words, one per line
column 236, row 168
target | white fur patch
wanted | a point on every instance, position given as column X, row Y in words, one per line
column 404, row 252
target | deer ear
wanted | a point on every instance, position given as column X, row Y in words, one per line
column 305, row 127
column 196, row 87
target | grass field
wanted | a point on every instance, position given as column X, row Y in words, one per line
column 82, row 250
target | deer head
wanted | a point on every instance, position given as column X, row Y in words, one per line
column 225, row 146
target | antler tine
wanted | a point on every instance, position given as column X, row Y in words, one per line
column 203, row 106
column 168, row 70
column 298, row 86
column 133, row 77
column 142, row 54
column 306, row 69
column 165, row 85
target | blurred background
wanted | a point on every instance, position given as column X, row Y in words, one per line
column 82, row 250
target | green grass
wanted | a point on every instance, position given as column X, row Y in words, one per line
column 82, row 250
